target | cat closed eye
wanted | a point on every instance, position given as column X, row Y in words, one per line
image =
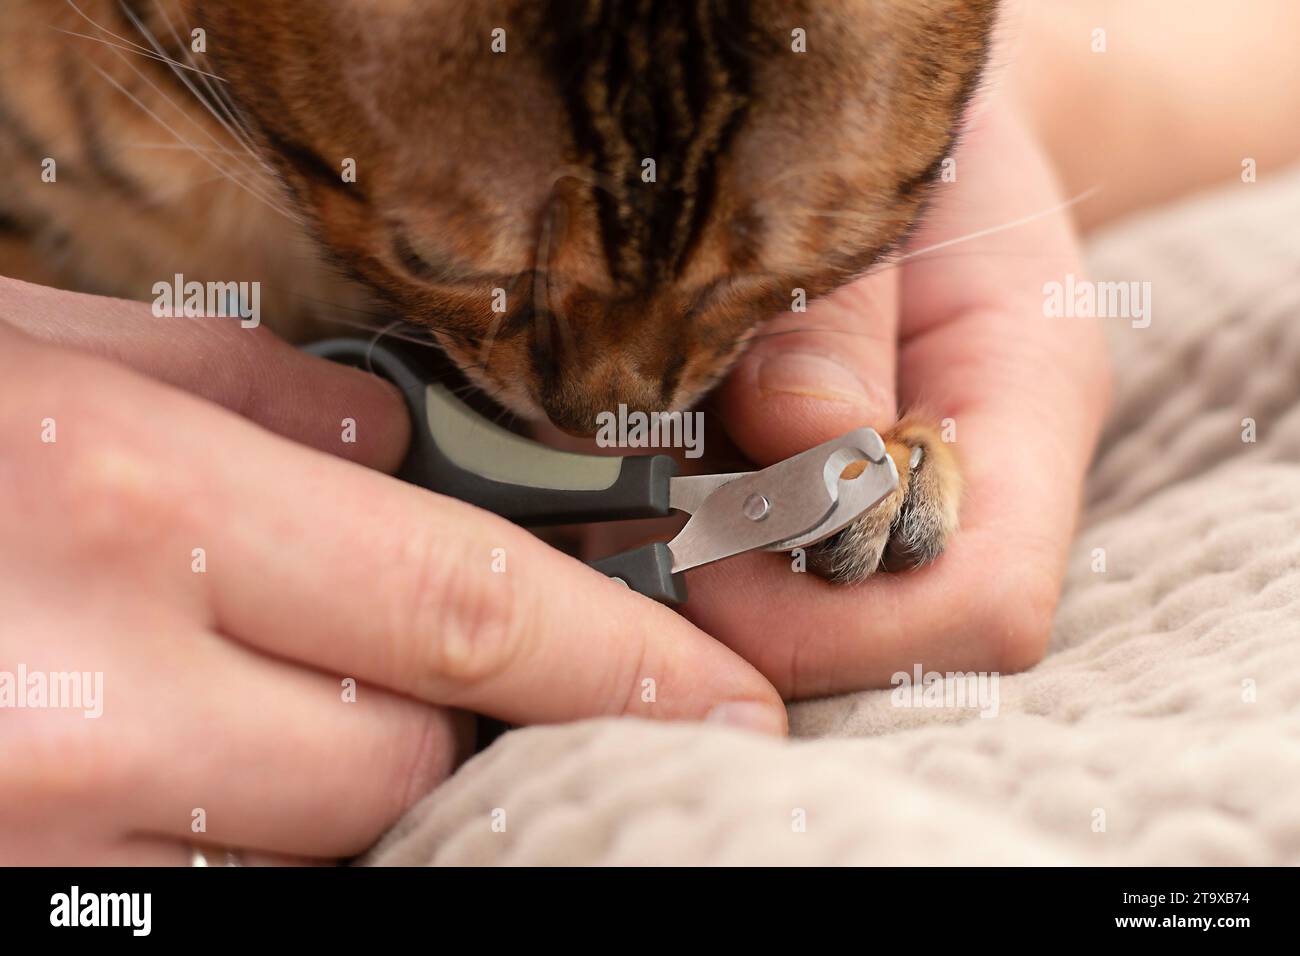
column 416, row 264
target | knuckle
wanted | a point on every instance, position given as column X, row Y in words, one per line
column 94, row 462
column 122, row 498
column 457, row 620
column 87, row 454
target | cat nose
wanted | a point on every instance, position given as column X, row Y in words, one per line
column 582, row 412
column 577, row 388
column 574, row 432
column 580, row 419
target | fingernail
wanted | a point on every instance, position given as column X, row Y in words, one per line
column 812, row 376
column 750, row 715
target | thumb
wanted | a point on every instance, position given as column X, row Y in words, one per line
column 810, row 377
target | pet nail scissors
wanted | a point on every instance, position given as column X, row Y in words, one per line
column 792, row 504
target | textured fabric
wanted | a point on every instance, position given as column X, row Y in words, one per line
column 1163, row 727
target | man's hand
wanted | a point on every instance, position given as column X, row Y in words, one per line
column 960, row 331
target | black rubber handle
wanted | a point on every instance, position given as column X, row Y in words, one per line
column 647, row 570
column 455, row 451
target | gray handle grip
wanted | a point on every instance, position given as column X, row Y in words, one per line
column 455, row 451
column 647, row 570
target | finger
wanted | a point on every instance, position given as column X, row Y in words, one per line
column 258, row 754
column 191, row 736
column 328, row 406
column 320, row 561
column 810, row 377
column 455, row 606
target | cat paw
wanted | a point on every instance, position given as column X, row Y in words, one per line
column 909, row 528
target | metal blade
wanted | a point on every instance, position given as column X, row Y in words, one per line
column 857, row 496
column 688, row 492
column 789, row 501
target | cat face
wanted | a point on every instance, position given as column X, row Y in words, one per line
column 595, row 202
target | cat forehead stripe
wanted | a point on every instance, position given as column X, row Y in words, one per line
column 667, row 83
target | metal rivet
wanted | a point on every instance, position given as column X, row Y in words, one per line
column 756, row 507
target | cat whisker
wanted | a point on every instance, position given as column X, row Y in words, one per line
column 193, row 184
column 977, row 234
column 895, row 261
column 176, row 66
column 248, row 189
column 993, row 230
column 153, row 41
column 131, row 45
column 119, row 46
column 416, row 334
column 175, row 146
column 100, row 27
column 884, row 266
column 379, row 334
column 172, row 103
column 227, row 117
column 465, row 389
column 505, row 410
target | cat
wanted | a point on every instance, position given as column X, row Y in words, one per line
column 640, row 184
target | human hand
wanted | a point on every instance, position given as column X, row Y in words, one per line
column 960, row 331
column 226, row 583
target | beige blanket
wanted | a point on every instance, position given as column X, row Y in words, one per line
column 1163, row 726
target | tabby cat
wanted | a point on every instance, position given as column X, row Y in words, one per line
column 647, row 180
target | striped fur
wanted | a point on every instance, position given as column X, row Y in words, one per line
column 520, row 171
column 643, row 80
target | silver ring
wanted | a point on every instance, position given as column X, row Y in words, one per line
column 201, row 856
